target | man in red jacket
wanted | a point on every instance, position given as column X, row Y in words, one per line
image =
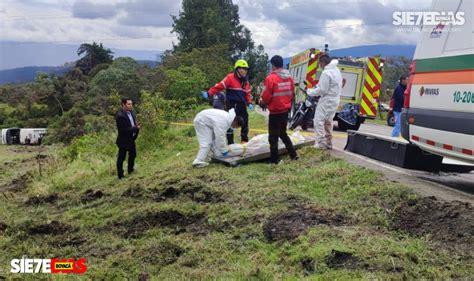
column 278, row 95
column 238, row 96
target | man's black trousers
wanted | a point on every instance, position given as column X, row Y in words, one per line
column 132, row 153
column 240, row 110
column 277, row 129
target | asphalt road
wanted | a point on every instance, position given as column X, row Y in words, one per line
column 445, row 186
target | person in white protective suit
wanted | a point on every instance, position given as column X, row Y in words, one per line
column 329, row 88
column 211, row 126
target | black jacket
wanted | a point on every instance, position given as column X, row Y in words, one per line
column 398, row 97
column 126, row 133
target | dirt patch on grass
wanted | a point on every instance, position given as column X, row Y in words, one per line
column 52, row 228
column 175, row 220
column 196, row 193
column 71, row 241
column 16, row 184
column 199, row 194
column 134, row 192
column 3, row 227
column 98, row 251
column 450, row 223
column 162, row 254
column 169, row 193
column 42, row 199
column 338, row 259
column 91, row 195
column 309, row 266
column 290, row 224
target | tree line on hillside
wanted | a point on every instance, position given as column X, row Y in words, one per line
column 84, row 100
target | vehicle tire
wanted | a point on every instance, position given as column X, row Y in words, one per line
column 295, row 121
column 390, row 119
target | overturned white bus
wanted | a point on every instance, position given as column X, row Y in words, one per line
column 28, row 136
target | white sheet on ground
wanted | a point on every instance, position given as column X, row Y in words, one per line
column 259, row 144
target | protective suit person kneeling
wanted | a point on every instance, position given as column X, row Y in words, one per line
column 211, row 126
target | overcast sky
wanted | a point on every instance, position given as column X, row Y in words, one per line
column 283, row 27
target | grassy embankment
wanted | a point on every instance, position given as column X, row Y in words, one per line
column 317, row 218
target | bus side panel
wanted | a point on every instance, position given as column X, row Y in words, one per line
column 443, row 143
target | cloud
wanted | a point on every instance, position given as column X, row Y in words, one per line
column 149, row 13
column 131, row 31
column 284, row 27
column 339, row 23
column 89, row 10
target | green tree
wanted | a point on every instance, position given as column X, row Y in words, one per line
column 94, row 54
column 207, row 23
column 204, row 23
column 214, row 62
column 394, row 67
column 121, row 78
column 258, row 65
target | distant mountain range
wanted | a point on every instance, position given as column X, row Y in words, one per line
column 20, row 62
column 28, row 73
column 20, row 54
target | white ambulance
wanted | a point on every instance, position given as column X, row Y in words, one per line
column 439, row 101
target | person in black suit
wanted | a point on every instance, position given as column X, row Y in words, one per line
column 128, row 129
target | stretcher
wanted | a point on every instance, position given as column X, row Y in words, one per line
column 238, row 160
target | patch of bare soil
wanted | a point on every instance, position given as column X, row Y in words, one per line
column 3, row 226
column 68, row 240
column 16, row 184
column 52, row 228
column 309, row 266
column 338, row 259
column 450, row 223
column 196, row 193
column 42, row 199
column 175, row 220
column 162, row 254
column 290, row 224
column 134, row 192
column 91, row 195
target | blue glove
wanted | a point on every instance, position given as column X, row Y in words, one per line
column 250, row 107
column 205, row 95
column 225, row 153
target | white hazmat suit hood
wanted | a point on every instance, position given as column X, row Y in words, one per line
column 329, row 88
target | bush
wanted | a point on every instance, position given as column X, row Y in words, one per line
column 97, row 124
column 94, row 145
column 66, row 127
column 186, row 82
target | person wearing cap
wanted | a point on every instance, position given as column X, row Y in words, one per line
column 237, row 87
column 397, row 100
column 278, row 94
